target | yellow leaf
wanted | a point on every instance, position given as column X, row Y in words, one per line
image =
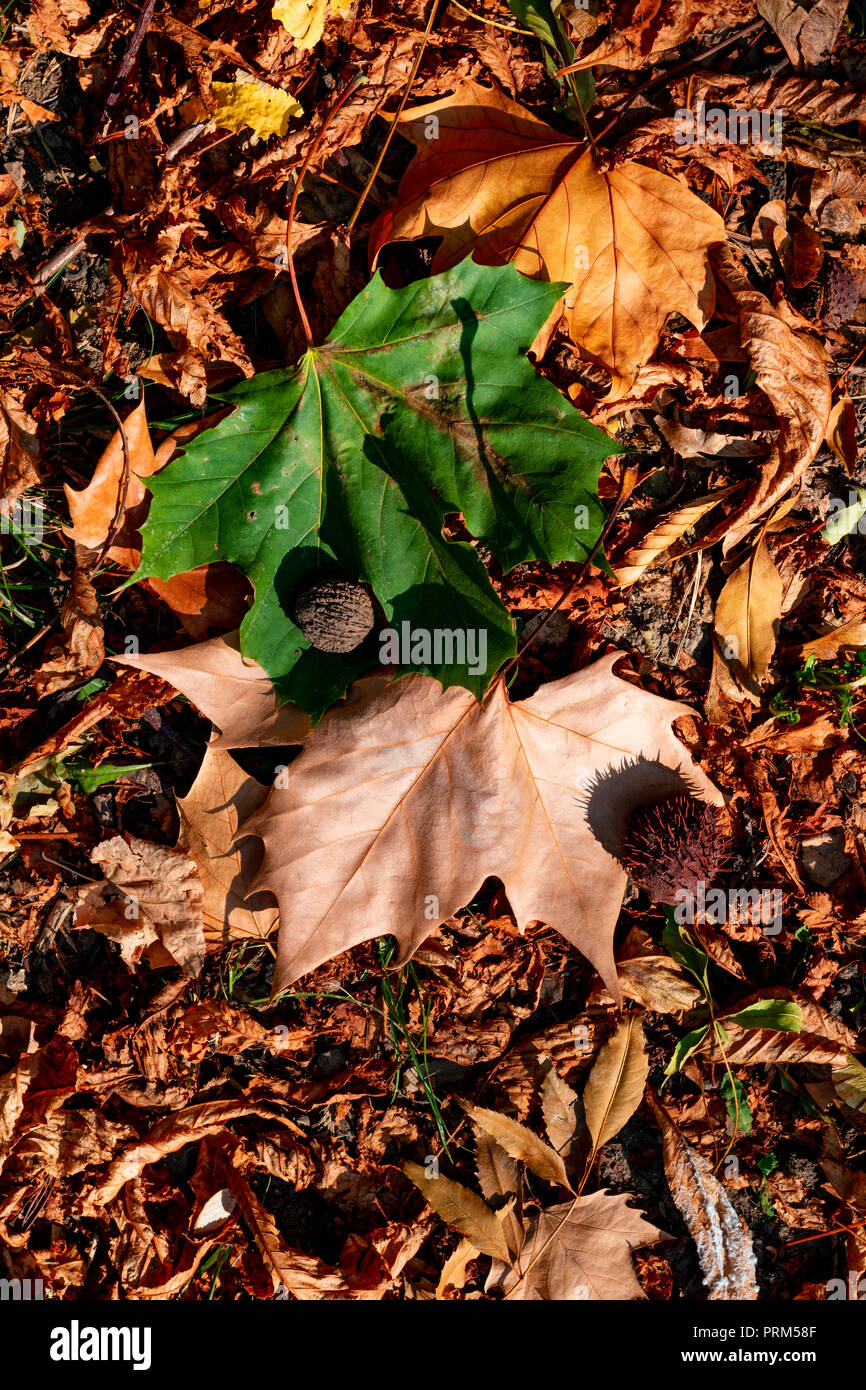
column 265, row 110
column 305, row 19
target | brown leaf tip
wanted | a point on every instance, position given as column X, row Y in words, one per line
column 674, row 844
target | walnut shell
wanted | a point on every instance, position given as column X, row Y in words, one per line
column 335, row 616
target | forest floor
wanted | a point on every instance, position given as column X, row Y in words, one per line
column 168, row 1132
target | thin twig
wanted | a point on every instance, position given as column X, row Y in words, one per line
column 374, row 172
column 496, row 23
column 120, row 508
column 142, row 24
column 356, row 81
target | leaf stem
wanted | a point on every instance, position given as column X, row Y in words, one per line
column 374, row 172
column 356, row 81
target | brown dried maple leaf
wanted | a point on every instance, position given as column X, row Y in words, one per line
column 579, row 1250
column 405, row 798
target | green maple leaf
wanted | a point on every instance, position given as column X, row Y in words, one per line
column 420, row 404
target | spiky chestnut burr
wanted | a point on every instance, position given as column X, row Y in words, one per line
column 673, row 845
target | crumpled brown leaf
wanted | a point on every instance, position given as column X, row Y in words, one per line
column 807, row 32
column 161, row 899
column 19, row 449
column 789, row 366
column 80, row 652
column 168, row 295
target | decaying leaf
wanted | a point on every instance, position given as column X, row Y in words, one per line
column 249, row 104
column 220, row 798
column 789, row 367
column 19, row 449
column 404, row 799
column 808, row 33
column 156, row 896
column 497, row 182
column 79, row 653
column 650, row 977
column 723, row 1240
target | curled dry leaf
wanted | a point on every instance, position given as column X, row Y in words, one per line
column 456, row 1267
column 850, row 1083
column 642, row 34
column 849, row 637
column 631, row 242
column 80, row 652
column 615, row 1086
column 842, row 432
column 406, row 797
column 789, row 368
column 92, row 508
column 231, row 690
column 220, row 798
column 160, row 899
column 213, row 595
column 748, row 612
column 306, row 1277
column 651, row 978
column 662, row 536
column 579, row 1250
column 723, row 1240
column 19, row 449
column 171, row 298
column 188, row 1126
column 807, row 34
